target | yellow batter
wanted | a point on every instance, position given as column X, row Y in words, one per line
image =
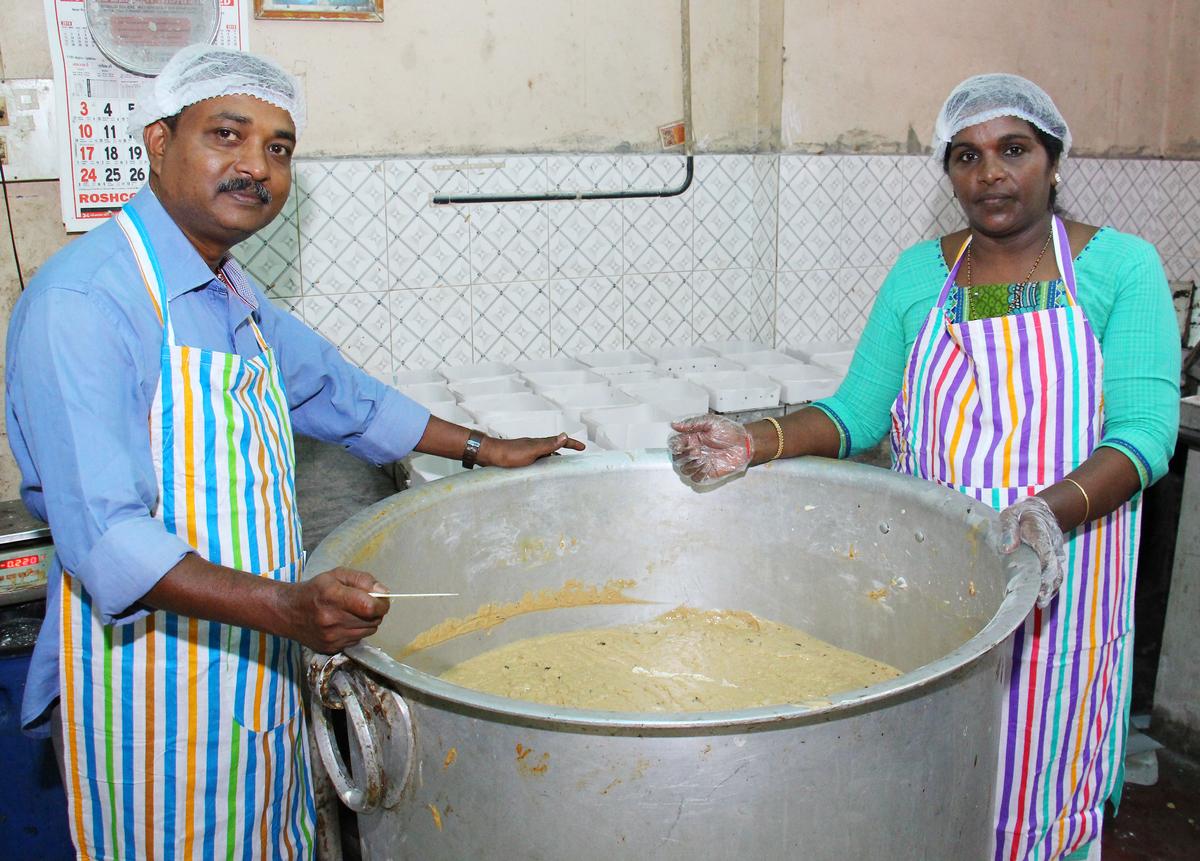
column 684, row 660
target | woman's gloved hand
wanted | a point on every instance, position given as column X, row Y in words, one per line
column 1030, row 521
column 708, row 448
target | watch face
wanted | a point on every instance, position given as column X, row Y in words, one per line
column 141, row 35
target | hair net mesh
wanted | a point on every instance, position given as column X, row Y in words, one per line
column 200, row 72
column 986, row 97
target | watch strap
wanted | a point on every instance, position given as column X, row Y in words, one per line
column 471, row 449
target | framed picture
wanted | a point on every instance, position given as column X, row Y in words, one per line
column 320, row 10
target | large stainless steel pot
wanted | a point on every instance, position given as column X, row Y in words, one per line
column 895, row 568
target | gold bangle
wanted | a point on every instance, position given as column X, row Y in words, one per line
column 778, row 433
column 1087, row 512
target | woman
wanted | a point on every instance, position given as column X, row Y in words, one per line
column 1032, row 363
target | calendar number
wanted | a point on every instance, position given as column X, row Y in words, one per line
column 87, row 174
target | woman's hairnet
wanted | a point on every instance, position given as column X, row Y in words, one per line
column 986, row 97
column 200, row 72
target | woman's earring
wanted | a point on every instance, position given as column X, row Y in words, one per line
column 1057, row 177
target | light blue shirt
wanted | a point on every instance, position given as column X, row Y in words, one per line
column 83, row 360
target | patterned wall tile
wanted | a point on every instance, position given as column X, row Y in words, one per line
column 876, row 227
column 427, row 245
column 723, row 305
column 762, row 312
column 508, row 242
column 1181, row 212
column 291, row 304
column 272, row 256
column 927, row 200
column 585, row 315
column 585, row 173
column 810, row 213
column 766, row 210
column 657, row 231
column 723, row 211
column 500, row 174
column 431, row 327
column 510, row 321
column 807, row 307
column 358, row 324
column 858, row 288
column 585, row 238
column 657, row 309
column 343, row 237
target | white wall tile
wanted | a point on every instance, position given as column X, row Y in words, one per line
column 508, row 242
column 657, row 309
column 431, row 327
column 762, row 312
column 272, row 256
column 585, row 238
column 510, row 321
column 501, row 174
column 585, row 173
column 359, row 324
column 343, row 237
column 585, row 315
column 807, row 306
column 428, row 245
column 657, row 231
column 723, row 211
column 810, row 213
column 724, row 302
column 766, row 210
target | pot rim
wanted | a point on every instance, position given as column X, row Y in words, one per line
column 1024, row 579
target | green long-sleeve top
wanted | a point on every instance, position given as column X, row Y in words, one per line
column 1123, row 291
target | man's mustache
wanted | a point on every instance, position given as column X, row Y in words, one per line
column 242, row 184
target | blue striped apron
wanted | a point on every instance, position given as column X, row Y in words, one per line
column 1000, row 409
column 185, row 738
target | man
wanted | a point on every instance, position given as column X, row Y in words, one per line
column 152, row 394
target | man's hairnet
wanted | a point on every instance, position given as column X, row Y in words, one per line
column 200, row 72
column 986, row 97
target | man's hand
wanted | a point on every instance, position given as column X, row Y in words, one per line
column 334, row 610
column 523, row 451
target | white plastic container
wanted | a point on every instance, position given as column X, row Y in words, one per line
column 839, row 362
column 815, row 352
column 480, row 371
column 681, row 351
column 735, row 391
column 712, row 362
column 616, row 376
column 558, row 363
column 634, row 436
column 539, row 425
column 542, row 381
column 732, row 348
column 763, row 357
column 490, row 408
column 575, row 399
column 678, row 398
column 629, row 360
column 427, row 394
column 801, row 383
column 415, row 376
column 424, row 468
column 639, row 414
column 453, row 413
column 467, row 389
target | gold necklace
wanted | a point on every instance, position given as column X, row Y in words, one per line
column 1036, row 263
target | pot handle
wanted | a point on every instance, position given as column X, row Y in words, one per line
column 364, row 741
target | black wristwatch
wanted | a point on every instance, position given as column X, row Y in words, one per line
column 471, row 449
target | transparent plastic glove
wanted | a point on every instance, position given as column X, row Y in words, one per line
column 706, row 449
column 1030, row 521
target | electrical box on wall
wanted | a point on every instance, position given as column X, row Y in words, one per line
column 27, row 129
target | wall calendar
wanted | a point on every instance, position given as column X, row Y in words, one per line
column 102, row 52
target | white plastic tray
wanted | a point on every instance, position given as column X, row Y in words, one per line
column 681, row 351
column 735, row 391
column 763, row 357
column 618, row 376
column 481, row 371
column 467, row 389
column 594, row 419
column 427, row 394
column 629, row 360
column 800, row 383
column 575, row 399
column 732, row 348
column 634, row 436
column 538, row 425
column 489, row 408
column 695, row 364
column 543, row 381
column 558, row 363
column 413, row 376
column 424, row 468
column 817, row 351
column 453, row 413
column 678, row 398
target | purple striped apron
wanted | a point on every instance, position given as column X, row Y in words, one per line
column 185, row 738
column 1000, row 409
